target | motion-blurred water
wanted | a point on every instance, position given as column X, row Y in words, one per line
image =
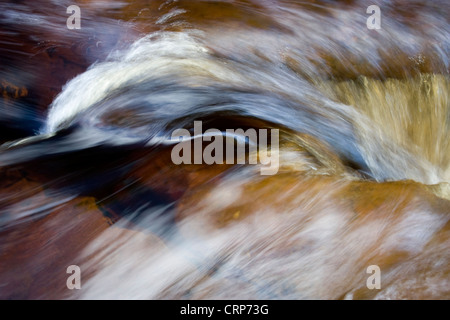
column 87, row 178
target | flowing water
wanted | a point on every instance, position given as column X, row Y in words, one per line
column 87, row 177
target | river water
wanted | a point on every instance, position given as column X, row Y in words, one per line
column 87, row 176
